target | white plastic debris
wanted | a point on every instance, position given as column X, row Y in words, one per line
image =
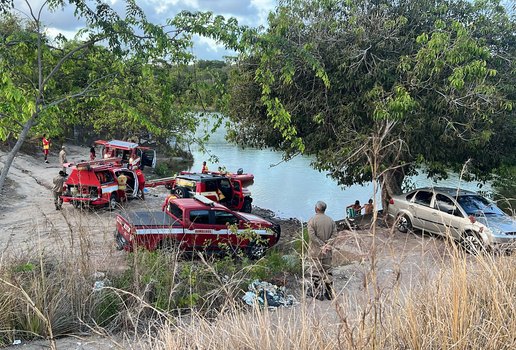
column 267, row 294
column 17, row 342
column 98, row 285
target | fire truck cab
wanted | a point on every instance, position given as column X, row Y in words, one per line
column 130, row 153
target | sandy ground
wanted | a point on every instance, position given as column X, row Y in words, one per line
column 29, row 220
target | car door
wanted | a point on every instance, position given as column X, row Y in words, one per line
column 238, row 194
column 226, row 228
column 450, row 218
column 425, row 216
column 148, row 157
column 200, row 229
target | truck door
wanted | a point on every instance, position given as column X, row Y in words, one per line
column 201, row 234
column 238, row 194
column 148, row 157
column 226, row 230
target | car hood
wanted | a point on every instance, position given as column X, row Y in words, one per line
column 256, row 219
column 500, row 224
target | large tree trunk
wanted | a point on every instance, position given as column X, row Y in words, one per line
column 391, row 182
column 14, row 151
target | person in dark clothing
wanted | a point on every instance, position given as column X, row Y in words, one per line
column 92, row 152
column 57, row 189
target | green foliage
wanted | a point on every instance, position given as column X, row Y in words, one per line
column 125, row 77
column 106, row 305
column 426, row 79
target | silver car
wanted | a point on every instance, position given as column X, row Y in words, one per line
column 462, row 215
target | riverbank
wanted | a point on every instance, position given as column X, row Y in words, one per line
column 369, row 262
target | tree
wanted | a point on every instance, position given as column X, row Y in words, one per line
column 49, row 84
column 330, row 78
column 30, row 64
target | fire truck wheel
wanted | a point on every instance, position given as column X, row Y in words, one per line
column 256, row 250
column 181, row 192
column 113, row 202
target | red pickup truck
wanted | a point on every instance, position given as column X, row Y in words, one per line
column 192, row 224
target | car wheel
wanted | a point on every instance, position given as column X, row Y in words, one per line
column 404, row 224
column 256, row 250
column 181, row 192
column 473, row 244
column 247, row 207
column 113, row 202
column 77, row 204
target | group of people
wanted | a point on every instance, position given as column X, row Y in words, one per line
column 59, row 180
column 62, row 153
column 355, row 209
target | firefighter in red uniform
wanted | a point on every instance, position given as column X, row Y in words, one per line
column 141, row 181
column 122, row 185
column 46, row 146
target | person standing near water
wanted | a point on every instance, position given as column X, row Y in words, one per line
column 322, row 230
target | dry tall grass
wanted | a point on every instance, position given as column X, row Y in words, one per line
column 470, row 305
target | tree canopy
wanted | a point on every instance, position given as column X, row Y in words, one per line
column 123, row 75
column 416, row 85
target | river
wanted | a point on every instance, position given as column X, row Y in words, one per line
column 290, row 189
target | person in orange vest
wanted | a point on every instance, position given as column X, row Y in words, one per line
column 122, row 185
column 204, row 169
column 46, row 146
column 141, row 182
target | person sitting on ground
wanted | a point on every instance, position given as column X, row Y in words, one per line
column 353, row 210
column 368, row 208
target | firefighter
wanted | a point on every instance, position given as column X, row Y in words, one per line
column 46, row 146
column 57, row 189
column 122, row 185
column 141, row 181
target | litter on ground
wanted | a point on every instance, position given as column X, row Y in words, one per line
column 267, row 294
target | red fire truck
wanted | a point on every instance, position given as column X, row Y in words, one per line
column 130, row 153
column 193, row 224
column 95, row 183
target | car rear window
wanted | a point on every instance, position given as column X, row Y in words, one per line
column 200, row 216
column 423, row 198
column 175, row 210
